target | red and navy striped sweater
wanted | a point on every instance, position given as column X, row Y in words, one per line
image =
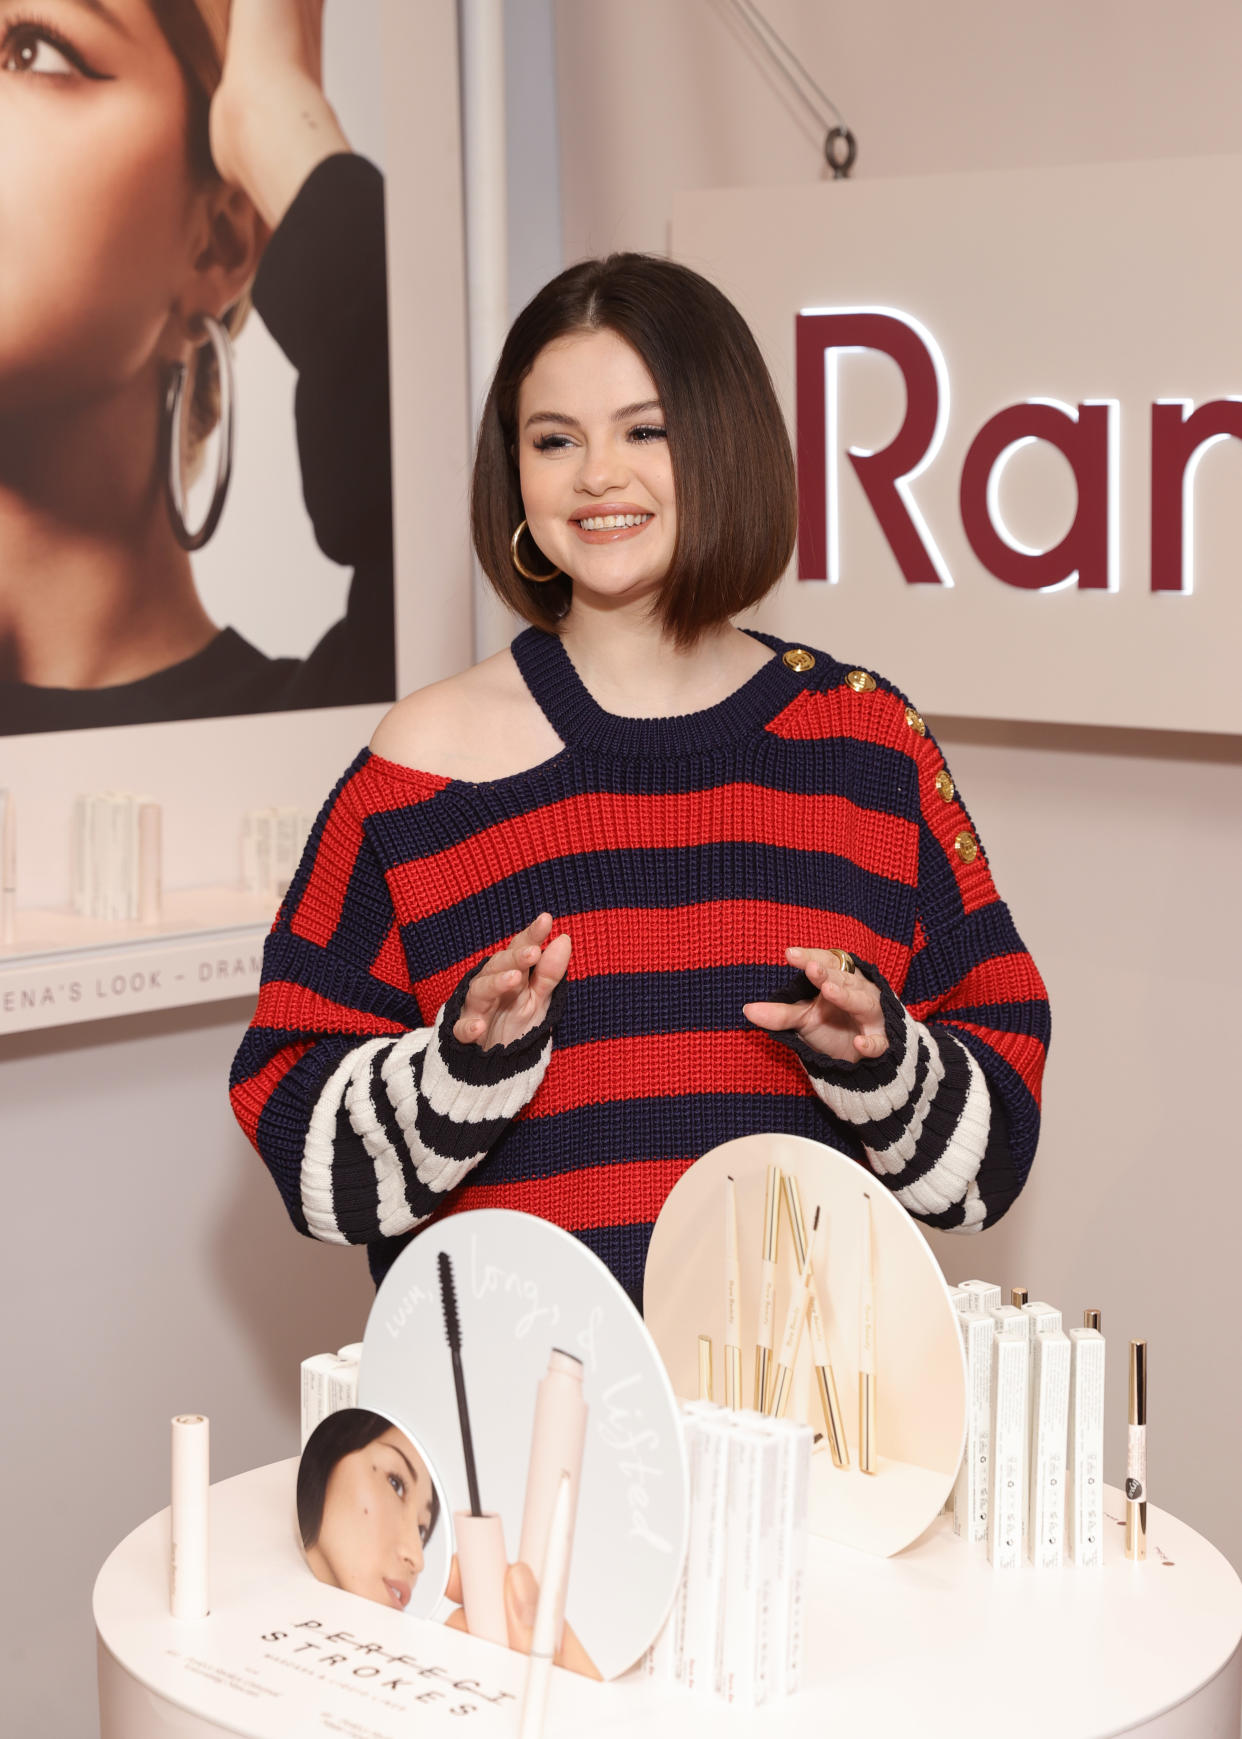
column 682, row 855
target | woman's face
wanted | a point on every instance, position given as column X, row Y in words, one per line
column 100, row 217
column 591, row 447
column 377, row 1514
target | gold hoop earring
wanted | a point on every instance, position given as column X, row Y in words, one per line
column 525, row 572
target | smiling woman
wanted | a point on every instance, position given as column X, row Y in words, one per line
column 165, row 162
column 647, row 880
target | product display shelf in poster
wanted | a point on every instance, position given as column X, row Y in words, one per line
column 919, row 1381
column 555, row 1363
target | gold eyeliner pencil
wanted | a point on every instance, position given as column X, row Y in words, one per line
column 767, row 1284
column 1136, row 1455
column 867, row 1457
column 733, row 1303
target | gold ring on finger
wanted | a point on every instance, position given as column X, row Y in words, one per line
column 844, row 961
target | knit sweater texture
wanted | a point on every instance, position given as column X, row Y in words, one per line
column 682, row 855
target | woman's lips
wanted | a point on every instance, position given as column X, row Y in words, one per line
column 399, row 1593
column 612, row 533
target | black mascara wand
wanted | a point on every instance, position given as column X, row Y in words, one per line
column 452, row 1328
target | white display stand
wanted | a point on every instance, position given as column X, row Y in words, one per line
column 931, row 1642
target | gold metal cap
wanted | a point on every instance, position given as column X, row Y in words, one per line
column 778, row 1399
column 705, row 1368
column 762, row 1358
column 866, row 1422
column 1091, row 1319
column 834, row 1423
column 733, row 1376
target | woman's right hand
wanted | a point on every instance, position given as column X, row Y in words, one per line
column 510, row 994
column 270, row 121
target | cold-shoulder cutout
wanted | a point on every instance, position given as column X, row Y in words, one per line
column 477, row 726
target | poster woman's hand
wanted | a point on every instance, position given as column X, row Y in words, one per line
column 270, row 121
column 521, row 1604
column 510, row 995
column 843, row 1020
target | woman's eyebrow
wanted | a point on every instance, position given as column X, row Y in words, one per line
column 406, row 1459
column 100, row 10
column 573, row 423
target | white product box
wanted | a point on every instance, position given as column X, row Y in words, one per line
column 343, row 1385
column 665, row 1659
column 705, row 1560
column 315, row 1374
column 1050, row 1383
column 796, row 1443
column 1045, row 1318
column 1011, row 1352
column 970, row 1492
column 1085, row 1453
column 746, row 1671
column 988, row 1297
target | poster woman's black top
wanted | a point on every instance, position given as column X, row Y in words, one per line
column 322, row 292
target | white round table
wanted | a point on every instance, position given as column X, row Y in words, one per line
column 931, row 1642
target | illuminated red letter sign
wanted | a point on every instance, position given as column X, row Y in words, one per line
column 1178, row 442
column 1087, row 554
column 822, row 334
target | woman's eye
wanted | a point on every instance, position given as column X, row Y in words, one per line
column 649, row 432
column 397, row 1483
column 424, row 1533
column 31, row 49
column 551, row 443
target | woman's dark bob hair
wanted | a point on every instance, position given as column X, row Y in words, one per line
column 335, row 1437
column 733, row 470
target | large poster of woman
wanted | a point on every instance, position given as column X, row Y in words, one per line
column 187, row 229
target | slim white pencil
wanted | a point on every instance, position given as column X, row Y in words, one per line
column 733, row 1302
column 191, row 1496
column 866, row 1350
column 551, row 1603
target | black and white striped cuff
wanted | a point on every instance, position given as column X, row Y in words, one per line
column 922, row 1111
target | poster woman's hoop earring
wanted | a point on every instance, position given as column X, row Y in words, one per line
column 517, row 560
column 174, row 412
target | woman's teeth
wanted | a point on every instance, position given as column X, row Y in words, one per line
column 614, row 521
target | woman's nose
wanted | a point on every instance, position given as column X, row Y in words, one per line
column 601, row 469
column 412, row 1552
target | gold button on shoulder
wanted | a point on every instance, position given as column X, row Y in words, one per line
column 945, row 785
column 966, row 847
column 798, row 658
column 915, row 722
column 861, row 681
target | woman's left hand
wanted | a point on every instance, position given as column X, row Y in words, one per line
column 845, row 1019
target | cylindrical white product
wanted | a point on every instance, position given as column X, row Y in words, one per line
column 150, row 864
column 8, row 869
column 352, row 1351
column 556, row 1446
column 482, row 1562
column 191, row 1484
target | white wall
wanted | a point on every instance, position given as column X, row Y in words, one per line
column 1117, row 849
